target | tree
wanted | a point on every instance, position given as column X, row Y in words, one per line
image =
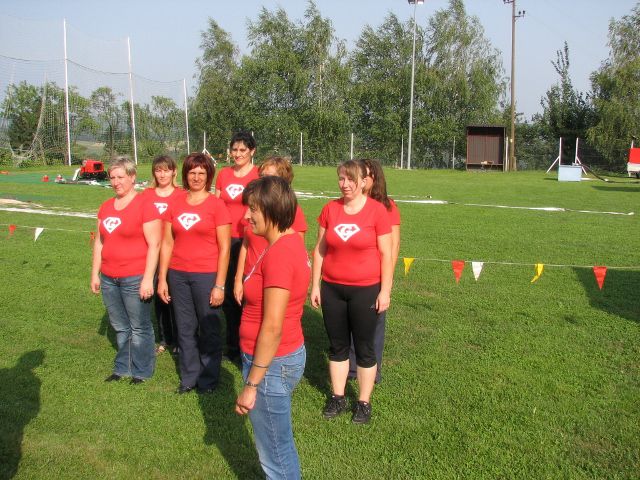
column 566, row 112
column 22, row 107
column 616, row 91
column 214, row 109
column 381, row 73
column 462, row 84
column 109, row 114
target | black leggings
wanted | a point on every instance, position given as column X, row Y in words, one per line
column 350, row 311
column 232, row 310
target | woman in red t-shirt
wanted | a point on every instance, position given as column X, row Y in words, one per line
column 163, row 192
column 125, row 256
column 353, row 258
column 230, row 183
column 193, row 266
column 376, row 188
column 253, row 245
column 271, row 339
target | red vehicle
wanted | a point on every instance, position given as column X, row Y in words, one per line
column 92, row 170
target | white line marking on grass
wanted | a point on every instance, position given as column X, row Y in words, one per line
column 49, row 212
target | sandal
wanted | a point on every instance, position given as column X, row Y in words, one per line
column 160, row 349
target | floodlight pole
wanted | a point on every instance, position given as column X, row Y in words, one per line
column 512, row 139
column 413, row 75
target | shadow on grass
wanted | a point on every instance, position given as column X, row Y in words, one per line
column 315, row 338
column 228, row 431
column 106, row 331
column 19, row 404
column 620, row 294
column 631, row 188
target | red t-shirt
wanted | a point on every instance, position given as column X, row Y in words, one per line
column 394, row 214
column 284, row 265
column 256, row 244
column 124, row 248
column 195, row 247
column 352, row 256
column 231, row 188
column 162, row 203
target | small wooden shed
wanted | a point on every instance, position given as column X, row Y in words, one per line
column 486, row 148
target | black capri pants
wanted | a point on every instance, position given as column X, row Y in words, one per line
column 350, row 311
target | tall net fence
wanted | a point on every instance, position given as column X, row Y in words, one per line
column 37, row 127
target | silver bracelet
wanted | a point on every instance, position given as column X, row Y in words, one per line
column 219, row 287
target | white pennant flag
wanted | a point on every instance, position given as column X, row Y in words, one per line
column 477, row 268
column 38, row 231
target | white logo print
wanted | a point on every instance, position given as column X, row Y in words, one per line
column 188, row 220
column 346, row 230
column 234, row 189
column 111, row 223
column 162, row 207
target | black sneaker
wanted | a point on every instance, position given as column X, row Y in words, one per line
column 335, row 406
column 362, row 413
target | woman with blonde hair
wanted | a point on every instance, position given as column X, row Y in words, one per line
column 125, row 256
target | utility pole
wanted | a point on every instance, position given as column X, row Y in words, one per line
column 512, row 139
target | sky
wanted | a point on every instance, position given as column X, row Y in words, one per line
column 165, row 35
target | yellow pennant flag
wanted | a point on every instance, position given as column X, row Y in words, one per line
column 407, row 265
column 539, row 268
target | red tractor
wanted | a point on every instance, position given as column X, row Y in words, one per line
column 91, row 170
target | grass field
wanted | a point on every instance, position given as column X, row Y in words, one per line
column 495, row 378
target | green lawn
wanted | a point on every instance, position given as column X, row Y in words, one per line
column 498, row 378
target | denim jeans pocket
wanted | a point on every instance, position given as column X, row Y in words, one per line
column 291, row 375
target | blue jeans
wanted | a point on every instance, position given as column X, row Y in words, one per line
column 130, row 317
column 271, row 415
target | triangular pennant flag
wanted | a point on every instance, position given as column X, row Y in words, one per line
column 458, row 266
column 407, row 265
column 12, row 228
column 477, row 269
column 600, row 273
column 538, row 268
column 38, row 231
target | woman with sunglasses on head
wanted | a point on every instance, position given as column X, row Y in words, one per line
column 271, row 339
column 353, row 259
column 193, row 267
column 230, row 183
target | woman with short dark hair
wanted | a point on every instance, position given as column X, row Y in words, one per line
column 193, row 267
column 271, row 339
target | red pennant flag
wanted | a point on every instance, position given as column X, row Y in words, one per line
column 12, row 228
column 458, row 266
column 600, row 273
column 92, row 237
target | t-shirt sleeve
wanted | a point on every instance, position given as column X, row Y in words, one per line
column 149, row 210
column 221, row 213
column 299, row 222
column 394, row 214
column 382, row 222
column 218, row 185
column 323, row 218
column 101, row 212
column 277, row 270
